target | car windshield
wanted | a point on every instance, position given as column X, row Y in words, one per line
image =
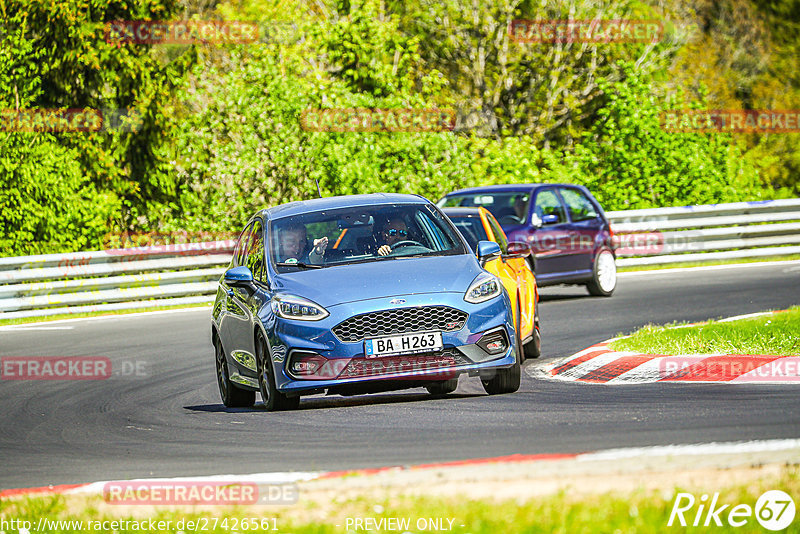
column 360, row 234
column 508, row 207
column 470, row 227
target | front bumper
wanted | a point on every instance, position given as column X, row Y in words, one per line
column 461, row 353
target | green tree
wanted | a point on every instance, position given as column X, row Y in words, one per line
column 47, row 204
column 630, row 161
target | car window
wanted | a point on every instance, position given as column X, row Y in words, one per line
column 579, row 206
column 508, row 207
column 499, row 235
column 547, row 203
column 356, row 234
column 255, row 252
column 241, row 246
column 471, row 228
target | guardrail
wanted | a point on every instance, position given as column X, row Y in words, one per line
column 146, row 277
column 715, row 232
column 108, row 280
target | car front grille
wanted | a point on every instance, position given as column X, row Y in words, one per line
column 409, row 365
column 400, row 321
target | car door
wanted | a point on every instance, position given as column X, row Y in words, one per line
column 584, row 226
column 549, row 242
column 232, row 312
column 515, row 269
column 244, row 302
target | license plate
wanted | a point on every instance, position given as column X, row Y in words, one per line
column 403, row 344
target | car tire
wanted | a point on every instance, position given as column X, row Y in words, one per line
column 274, row 400
column 505, row 380
column 531, row 263
column 232, row 396
column 533, row 348
column 442, row 387
column 604, row 277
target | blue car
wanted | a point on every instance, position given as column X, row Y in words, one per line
column 359, row 294
column 563, row 225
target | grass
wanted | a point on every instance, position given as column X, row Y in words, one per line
column 47, row 318
column 641, row 512
column 687, row 264
column 775, row 334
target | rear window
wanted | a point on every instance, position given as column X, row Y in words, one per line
column 471, row 228
column 508, row 207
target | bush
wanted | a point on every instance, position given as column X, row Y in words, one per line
column 629, row 161
column 46, row 203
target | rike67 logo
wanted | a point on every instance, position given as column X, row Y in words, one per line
column 774, row 510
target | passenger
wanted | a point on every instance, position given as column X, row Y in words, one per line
column 394, row 231
column 292, row 244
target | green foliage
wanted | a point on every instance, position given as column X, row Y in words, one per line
column 54, row 54
column 220, row 130
column 46, row 202
column 243, row 148
column 629, row 161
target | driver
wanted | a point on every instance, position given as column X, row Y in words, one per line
column 394, row 231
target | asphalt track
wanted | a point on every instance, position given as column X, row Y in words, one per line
column 168, row 420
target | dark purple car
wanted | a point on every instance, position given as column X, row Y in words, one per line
column 562, row 224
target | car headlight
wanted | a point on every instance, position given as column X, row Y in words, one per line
column 484, row 287
column 294, row 307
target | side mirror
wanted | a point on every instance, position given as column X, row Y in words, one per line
column 518, row 249
column 550, row 219
column 239, row 277
column 487, row 251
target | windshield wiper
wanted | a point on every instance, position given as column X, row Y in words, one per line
column 298, row 264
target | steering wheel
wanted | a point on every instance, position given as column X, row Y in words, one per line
column 407, row 243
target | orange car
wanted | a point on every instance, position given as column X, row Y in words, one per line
column 478, row 224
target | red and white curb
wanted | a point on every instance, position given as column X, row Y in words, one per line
column 599, row 364
column 261, row 479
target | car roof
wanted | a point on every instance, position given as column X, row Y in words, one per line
column 318, row 204
column 505, row 188
column 462, row 212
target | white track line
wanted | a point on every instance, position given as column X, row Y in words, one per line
column 627, row 274
column 106, row 317
column 735, row 447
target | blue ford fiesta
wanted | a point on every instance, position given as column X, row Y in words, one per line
column 358, row 294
